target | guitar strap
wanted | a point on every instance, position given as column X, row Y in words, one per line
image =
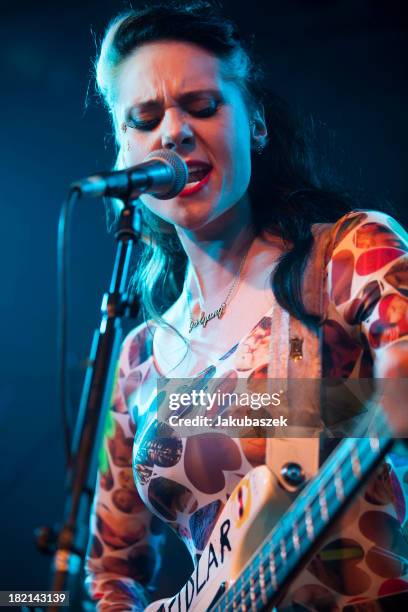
column 295, row 366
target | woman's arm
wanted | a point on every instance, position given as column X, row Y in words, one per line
column 368, row 290
column 122, row 556
column 367, row 326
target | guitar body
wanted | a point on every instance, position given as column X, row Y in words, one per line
column 254, row 507
column 258, row 545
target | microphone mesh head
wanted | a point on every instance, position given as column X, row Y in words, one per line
column 180, row 171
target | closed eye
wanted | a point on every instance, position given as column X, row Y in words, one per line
column 199, row 108
column 203, row 108
column 145, row 126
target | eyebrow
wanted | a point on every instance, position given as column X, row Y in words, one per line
column 183, row 98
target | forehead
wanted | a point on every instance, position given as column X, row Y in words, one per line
column 166, row 68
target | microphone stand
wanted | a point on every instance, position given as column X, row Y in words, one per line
column 96, row 395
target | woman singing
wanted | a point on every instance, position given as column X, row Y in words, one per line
column 273, row 258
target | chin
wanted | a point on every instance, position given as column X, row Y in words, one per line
column 189, row 214
column 192, row 222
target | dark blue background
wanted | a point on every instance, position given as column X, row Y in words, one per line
column 341, row 61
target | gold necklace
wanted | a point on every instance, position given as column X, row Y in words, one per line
column 219, row 312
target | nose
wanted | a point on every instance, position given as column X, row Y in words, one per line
column 177, row 133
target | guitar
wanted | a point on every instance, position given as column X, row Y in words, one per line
column 250, row 558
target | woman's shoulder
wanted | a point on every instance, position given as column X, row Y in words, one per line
column 366, row 229
column 137, row 346
column 367, row 271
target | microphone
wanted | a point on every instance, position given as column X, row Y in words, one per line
column 163, row 174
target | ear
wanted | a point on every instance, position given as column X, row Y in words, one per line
column 259, row 131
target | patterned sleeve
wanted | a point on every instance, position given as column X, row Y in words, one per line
column 366, row 332
column 368, row 281
column 122, row 556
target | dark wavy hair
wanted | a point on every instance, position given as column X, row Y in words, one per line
column 287, row 192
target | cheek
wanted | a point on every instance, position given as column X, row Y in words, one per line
column 133, row 149
column 235, row 139
column 132, row 154
column 239, row 163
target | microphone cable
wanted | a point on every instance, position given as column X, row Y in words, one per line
column 63, row 271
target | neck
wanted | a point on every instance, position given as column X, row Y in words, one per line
column 215, row 253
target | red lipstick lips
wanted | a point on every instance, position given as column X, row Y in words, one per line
column 199, row 173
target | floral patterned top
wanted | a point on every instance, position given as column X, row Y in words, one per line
column 186, row 482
